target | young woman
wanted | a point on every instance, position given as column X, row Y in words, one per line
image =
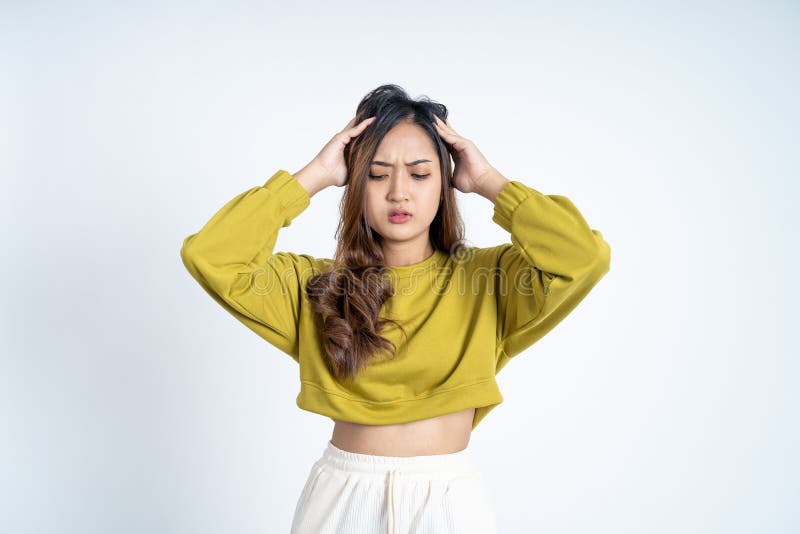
column 399, row 337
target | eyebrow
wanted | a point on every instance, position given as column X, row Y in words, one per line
column 384, row 164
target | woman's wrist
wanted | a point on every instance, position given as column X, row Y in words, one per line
column 491, row 184
column 311, row 178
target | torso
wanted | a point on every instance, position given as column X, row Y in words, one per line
column 438, row 435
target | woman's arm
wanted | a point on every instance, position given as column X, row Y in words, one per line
column 554, row 258
column 552, row 263
column 232, row 258
column 232, row 255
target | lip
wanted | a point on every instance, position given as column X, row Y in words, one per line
column 399, row 217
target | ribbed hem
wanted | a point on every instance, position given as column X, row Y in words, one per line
column 293, row 196
column 508, row 199
column 315, row 399
column 432, row 465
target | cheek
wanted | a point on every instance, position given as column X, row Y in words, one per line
column 433, row 202
column 371, row 218
column 371, row 211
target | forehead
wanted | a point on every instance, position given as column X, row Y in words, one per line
column 406, row 141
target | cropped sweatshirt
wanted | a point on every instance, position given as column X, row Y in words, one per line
column 464, row 315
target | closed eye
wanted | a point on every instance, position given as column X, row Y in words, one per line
column 417, row 176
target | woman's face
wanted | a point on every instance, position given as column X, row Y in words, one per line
column 415, row 188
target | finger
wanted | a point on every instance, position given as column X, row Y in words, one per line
column 446, row 133
column 446, row 125
column 363, row 124
column 444, row 129
column 350, row 133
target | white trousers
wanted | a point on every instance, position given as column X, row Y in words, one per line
column 352, row 493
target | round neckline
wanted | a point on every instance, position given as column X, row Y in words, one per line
column 403, row 271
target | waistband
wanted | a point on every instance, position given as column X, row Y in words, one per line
column 454, row 463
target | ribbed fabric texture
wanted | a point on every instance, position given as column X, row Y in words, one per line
column 465, row 316
column 352, row 493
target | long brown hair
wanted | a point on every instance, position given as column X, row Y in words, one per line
column 347, row 297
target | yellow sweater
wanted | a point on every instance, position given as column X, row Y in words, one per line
column 465, row 317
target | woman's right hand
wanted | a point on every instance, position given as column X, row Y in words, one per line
column 330, row 160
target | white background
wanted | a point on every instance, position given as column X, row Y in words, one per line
column 666, row 402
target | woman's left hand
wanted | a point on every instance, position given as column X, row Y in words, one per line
column 471, row 167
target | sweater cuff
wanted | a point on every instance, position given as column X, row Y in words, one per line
column 292, row 195
column 508, row 200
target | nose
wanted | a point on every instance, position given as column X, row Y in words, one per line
column 397, row 189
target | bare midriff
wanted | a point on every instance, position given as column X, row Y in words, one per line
column 443, row 434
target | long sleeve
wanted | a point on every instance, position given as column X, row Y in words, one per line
column 552, row 263
column 232, row 258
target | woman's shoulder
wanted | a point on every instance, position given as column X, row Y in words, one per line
column 472, row 257
column 304, row 265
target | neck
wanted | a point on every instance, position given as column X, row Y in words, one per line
column 395, row 255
